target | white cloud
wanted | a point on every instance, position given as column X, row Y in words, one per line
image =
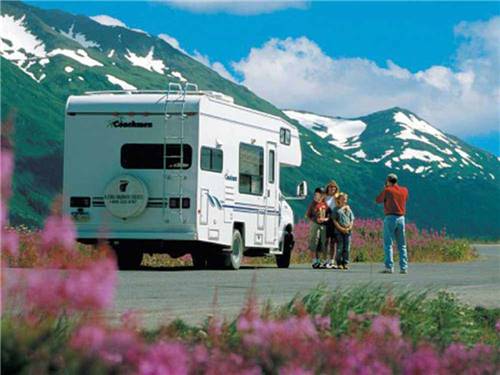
column 106, row 20
column 215, row 66
column 172, row 41
column 463, row 100
column 238, row 7
column 204, row 59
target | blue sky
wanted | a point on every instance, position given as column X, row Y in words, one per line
column 351, row 39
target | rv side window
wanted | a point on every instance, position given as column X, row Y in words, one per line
column 211, row 159
column 285, row 136
column 251, row 169
column 271, row 167
column 150, row 156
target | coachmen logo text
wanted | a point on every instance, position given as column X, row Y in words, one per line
column 129, row 124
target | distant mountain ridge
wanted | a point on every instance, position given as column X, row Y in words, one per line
column 400, row 140
column 47, row 55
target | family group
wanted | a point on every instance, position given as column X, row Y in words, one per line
column 332, row 221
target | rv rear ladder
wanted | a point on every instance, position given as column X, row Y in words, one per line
column 180, row 138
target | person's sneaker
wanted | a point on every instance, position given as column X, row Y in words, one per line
column 345, row 267
column 403, row 272
column 329, row 265
column 316, row 264
column 387, row 270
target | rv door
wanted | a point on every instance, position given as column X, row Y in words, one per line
column 271, row 219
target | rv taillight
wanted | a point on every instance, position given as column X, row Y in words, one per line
column 185, row 203
column 174, row 202
column 79, row 202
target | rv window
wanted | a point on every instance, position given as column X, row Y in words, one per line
column 251, row 169
column 285, row 136
column 271, row 167
column 211, row 159
column 150, row 156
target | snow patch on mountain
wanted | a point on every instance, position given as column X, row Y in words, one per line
column 313, row 149
column 427, row 156
column 111, row 53
column 179, row 76
column 359, row 154
column 79, row 55
column 408, row 168
column 351, row 158
column 19, row 45
column 466, row 158
column 147, row 62
column 385, row 154
column 117, row 81
column 423, row 155
column 79, row 38
column 20, row 38
column 411, row 124
column 342, row 132
column 68, row 69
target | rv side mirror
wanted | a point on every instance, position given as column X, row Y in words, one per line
column 302, row 189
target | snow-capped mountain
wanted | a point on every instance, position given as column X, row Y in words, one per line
column 400, row 140
column 47, row 55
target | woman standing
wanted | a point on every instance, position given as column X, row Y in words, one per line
column 332, row 193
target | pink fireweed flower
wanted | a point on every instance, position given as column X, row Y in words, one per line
column 423, row 361
column 131, row 320
column 386, row 325
column 43, row 291
column 121, row 346
column 90, row 338
column 91, row 288
column 322, row 323
column 165, row 358
column 10, row 242
column 59, row 231
column 112, row 346
column 7, row 166
column 497, row 326
column 294, row 370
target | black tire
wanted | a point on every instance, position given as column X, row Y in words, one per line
column 287, row 243
column 216, row 261
column 232, row 260
column 127, row 257
column 199, row 260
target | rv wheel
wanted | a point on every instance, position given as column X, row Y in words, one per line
column 283, row 260
column 233, row 259
column 127, row 258
column 199, row 260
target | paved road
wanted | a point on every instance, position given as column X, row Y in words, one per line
column 189, row 294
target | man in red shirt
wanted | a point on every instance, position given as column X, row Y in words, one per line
column 394, row 198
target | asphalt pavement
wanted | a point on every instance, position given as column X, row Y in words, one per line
column 163, row 295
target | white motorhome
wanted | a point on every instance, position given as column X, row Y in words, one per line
column 178, row 171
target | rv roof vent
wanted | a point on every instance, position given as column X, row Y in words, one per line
column 219, row 96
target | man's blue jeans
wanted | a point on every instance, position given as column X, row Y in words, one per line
column 394, row 229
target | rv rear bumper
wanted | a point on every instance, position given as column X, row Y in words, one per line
column 175, row 236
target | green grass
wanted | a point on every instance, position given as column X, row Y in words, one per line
column 426, row 316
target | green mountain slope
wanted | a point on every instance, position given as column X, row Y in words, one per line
column 47, row 55
column 452, row 184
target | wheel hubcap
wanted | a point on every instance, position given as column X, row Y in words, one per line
column 236, row 253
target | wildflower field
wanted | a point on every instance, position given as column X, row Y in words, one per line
column 367, row 246
column 54, row 308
